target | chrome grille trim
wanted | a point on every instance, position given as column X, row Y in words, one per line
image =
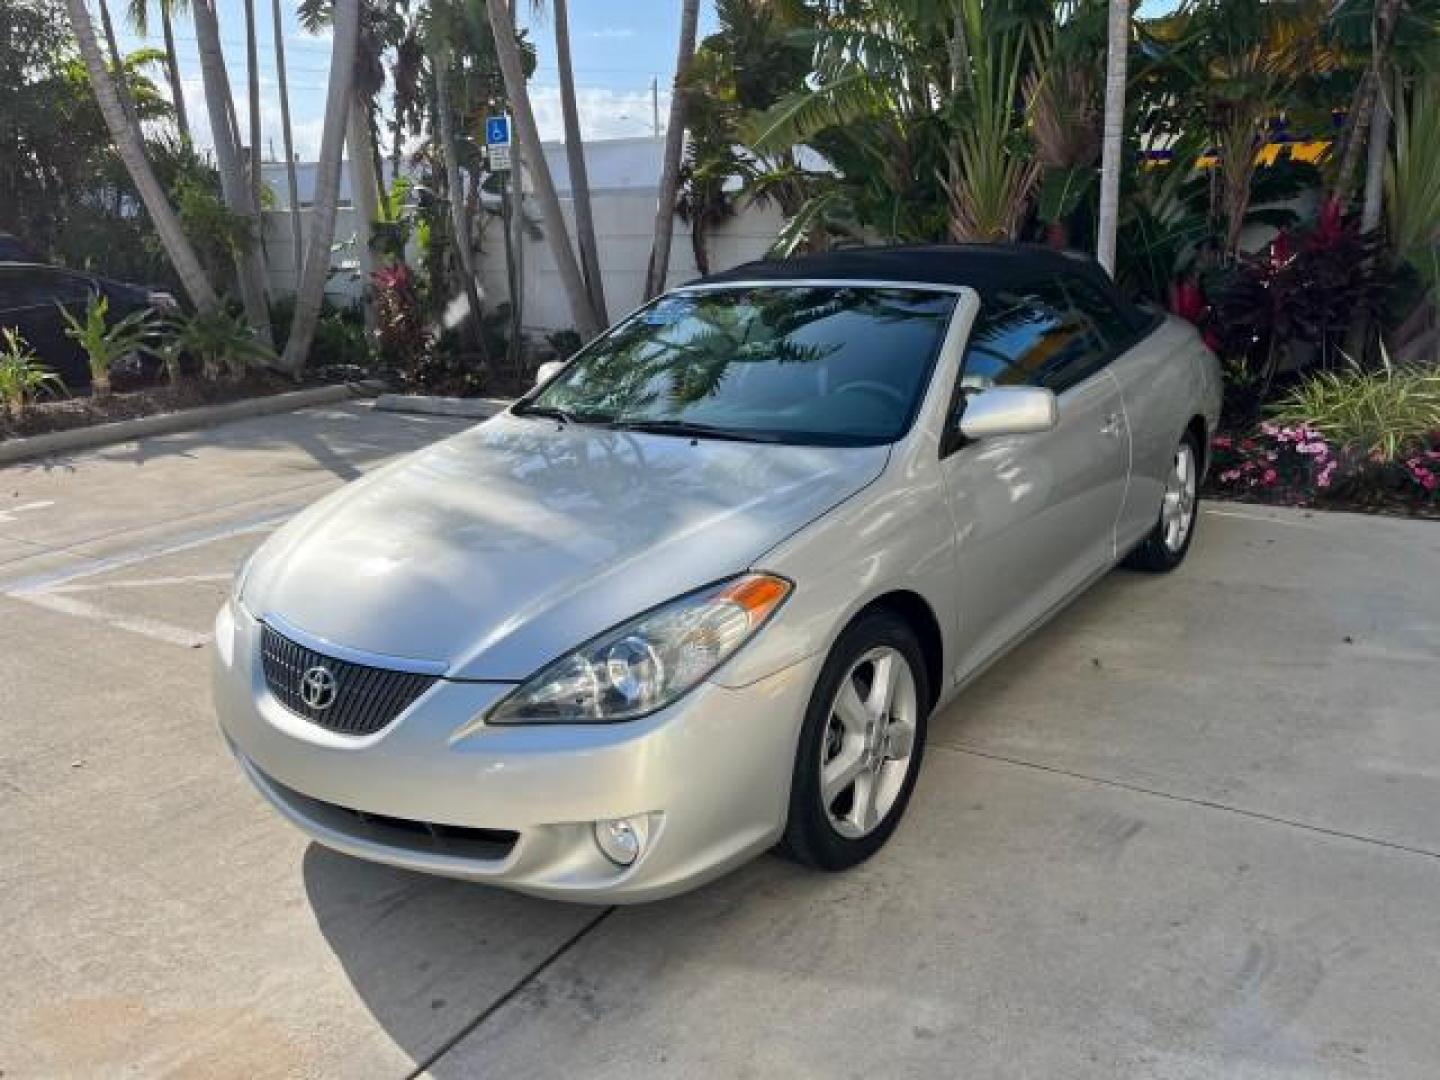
column 366, row 698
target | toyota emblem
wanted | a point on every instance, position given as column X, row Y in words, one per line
column 318, row 688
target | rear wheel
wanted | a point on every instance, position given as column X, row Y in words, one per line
column 861, row 745
column 1165, row 547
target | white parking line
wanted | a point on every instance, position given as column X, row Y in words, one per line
column 54, row 591
column 9, row 514
column 141, row 583
column 139, row 624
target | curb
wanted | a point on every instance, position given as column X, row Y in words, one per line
column 428, row 405
column 87, row 438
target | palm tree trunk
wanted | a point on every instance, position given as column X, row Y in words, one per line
column 131, row 147
column 311, row 293
column 233, row 185
column 1377, row 154
column 459, row 224
column 365, row 199
column 674, row 144
column 1113, row 139
column 515, row 258
column 575, row 158
column 252, row 78
column 291, row 181
column 507, row 51
column 117, row 62
column 1357, row 122
column 172, row 73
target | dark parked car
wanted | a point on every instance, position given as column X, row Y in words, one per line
column 13, row 249
column 31, row 295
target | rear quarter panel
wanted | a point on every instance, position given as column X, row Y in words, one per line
column 1166, row 379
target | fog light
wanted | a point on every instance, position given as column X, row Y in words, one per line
column 621, row 840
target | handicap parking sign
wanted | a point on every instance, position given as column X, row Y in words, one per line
column 497, row 131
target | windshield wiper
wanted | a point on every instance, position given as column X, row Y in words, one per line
column 565, row 416
column 693, row 430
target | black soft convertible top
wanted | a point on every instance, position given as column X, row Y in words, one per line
column 986, row 268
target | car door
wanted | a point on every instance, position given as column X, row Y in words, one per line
column 1034, row 514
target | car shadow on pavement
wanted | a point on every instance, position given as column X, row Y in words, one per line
column 429, row 957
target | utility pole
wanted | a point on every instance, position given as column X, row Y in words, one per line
column 655, row 106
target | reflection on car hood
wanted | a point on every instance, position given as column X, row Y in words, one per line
column 517, row 540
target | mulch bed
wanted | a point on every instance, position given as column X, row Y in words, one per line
column 83, row 411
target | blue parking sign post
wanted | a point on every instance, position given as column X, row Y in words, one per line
column 497, row 131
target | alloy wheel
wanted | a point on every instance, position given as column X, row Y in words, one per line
column 1177, row 511
column 865, row 752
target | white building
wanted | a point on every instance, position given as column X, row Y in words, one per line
column 624, row 178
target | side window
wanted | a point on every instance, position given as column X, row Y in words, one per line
column 1031, row 337
column 1101, row 311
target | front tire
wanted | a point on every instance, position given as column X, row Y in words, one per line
column 861, row 745
column 1165, row 547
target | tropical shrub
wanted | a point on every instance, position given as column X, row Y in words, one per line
column 104, row 342
column 404, row 334
column 222, row 342
column 1291, row 305
column 22, row 377
column 1385, row 412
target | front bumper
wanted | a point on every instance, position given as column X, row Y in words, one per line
column 515, row 806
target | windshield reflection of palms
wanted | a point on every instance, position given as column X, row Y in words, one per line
column 647, row 371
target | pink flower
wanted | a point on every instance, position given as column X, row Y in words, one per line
column 1230, row 475
column 1326, row 474
column 1270, row 477
column 1224, row 442
column 1268, row 428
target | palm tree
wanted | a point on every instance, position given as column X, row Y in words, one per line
column 311, row 291
column 674, row 144
column 291, row 182
column 575, row 157
column 450, row 155
column 252, row 78
column 131, row 147
column 507, row 51
column 233, row 183
column 1117, row 52
column 364, row 196
column 138, row 16
column 122, row 88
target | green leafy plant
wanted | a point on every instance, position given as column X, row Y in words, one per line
column 22, row 377
column 223, row 343
column 1384, row 413
column 105, row 342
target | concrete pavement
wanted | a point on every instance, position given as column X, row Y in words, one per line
column 1191, row 829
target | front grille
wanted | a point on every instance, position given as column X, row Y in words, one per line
column 365, row 698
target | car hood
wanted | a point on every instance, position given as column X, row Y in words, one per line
column 506, row 546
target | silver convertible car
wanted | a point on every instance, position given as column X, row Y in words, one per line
column 697, row 593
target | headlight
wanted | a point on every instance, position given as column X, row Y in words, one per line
column 645, row 664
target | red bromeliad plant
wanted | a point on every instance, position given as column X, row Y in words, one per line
column 404, row 335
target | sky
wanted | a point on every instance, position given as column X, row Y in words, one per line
column 617, row 47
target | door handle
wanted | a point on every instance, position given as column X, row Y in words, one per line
column 1111, row 426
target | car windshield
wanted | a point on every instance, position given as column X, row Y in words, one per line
column 812, row 364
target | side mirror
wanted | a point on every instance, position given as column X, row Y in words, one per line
column 1008, row 410
column 548, row 370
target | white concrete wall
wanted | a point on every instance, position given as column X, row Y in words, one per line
column 624, row 220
